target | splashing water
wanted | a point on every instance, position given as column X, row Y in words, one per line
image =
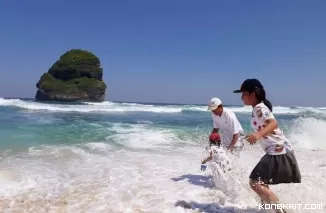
column 122, row 157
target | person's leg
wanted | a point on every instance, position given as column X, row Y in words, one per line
column 266, row 172
column 265, row 193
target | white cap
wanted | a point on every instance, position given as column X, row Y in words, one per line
column 214, row 103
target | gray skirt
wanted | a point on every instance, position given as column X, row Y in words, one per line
column 276, row 169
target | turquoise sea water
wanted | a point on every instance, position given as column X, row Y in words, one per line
column 26, row 123
column 128, row 153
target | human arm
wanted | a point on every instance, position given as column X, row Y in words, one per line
column 216, row 126
column 234, row 140
column 235, row 130
column 270, row 124
column 209, row 158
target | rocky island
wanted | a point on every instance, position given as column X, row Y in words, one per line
column 76, row 76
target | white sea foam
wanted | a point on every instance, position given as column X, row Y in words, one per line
column 144, row 168
column 97, row 107
column 142, row 136
column 70, row 179
column 112, row 107
column 96, row 177
column 308, row 133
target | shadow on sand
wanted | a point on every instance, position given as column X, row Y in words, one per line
column 199, row 180
column 214, row 207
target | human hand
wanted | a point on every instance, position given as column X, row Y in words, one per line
column 253, row 137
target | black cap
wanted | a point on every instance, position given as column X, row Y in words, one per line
column 249, row 85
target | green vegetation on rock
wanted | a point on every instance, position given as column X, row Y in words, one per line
column 76, row 76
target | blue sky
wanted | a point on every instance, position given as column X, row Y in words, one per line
column 172, row 51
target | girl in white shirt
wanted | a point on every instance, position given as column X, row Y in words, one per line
column 279, row 164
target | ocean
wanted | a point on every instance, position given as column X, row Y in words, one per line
column 130, row 157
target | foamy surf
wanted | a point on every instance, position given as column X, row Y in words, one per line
column 140, row 161
column 124, row 181
column 99, row 107
column 112, row 107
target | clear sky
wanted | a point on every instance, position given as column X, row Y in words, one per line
column 172, row 51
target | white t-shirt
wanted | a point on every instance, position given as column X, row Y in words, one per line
column 228, row 125
column 274, row 143
column 221, row 157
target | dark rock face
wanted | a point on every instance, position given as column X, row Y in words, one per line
column 76, row 76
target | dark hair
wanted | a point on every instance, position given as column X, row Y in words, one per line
column 215, row 143
column 261, row 96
